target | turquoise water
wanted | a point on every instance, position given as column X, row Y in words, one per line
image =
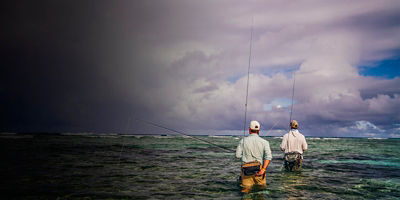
column 169, row 167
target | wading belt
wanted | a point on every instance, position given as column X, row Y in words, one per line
column 251, row 168
column 293, row 156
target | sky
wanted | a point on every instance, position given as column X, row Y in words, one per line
column 98, row 66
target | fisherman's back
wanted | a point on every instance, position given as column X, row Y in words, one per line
column 294, row 141
column 256, row 156
column 253, row 148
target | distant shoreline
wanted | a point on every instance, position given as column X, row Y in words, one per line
column 4, row 134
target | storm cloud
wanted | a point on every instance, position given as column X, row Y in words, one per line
column 92, row 66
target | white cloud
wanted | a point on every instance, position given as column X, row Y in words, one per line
column 366, row 125
column 278, row 103
column 202, row 58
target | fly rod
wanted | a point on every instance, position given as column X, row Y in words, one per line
column 248, row 75
column 291, row 109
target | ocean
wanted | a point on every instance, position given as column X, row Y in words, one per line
column 176, row 167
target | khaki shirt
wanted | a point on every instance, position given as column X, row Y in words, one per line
column 252, row 148
column 294, row 141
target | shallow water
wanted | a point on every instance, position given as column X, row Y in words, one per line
column 168, row 167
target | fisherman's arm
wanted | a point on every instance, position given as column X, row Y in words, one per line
column 283, row 144
column 304, row 145
column 239, row 149
column 264, row 168
column 267, row 159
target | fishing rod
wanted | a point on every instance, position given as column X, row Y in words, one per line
column 291, row 109
column 294, row 83
column 248, row 79
column 182, row 133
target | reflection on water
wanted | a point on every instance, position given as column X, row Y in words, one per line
column 291, row 182
column 164, row 167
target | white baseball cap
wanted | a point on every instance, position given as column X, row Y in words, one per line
column 254, row 125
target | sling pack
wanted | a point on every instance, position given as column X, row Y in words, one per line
column 251, row 168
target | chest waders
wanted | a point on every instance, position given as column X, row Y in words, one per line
column 292, row 160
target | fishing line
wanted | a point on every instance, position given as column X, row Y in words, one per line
column 272, row 127
column 182, row 133
column 123, row 143
column 248, row 78
column 122, row 147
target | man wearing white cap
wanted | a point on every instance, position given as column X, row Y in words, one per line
column 293, row 144
column 256, row 156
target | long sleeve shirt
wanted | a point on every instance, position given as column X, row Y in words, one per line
column 294, row 141
column 252, row 148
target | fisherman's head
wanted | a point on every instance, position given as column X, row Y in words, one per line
column 254, row 127
column 294, row 124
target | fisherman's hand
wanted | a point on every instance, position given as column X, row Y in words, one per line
column 261, row 172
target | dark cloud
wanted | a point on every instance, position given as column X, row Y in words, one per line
column 92, row 66
column 54, row 56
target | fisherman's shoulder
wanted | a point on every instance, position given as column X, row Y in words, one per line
column 300, row 133
column 264, row 140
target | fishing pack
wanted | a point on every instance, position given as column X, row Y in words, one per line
column 251, row 168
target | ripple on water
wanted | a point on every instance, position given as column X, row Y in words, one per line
column 183, row 168
column 363, row 162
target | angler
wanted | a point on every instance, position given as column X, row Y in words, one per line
column 256, row 156
column 293, row 144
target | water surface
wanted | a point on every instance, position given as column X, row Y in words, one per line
column 173, row 167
